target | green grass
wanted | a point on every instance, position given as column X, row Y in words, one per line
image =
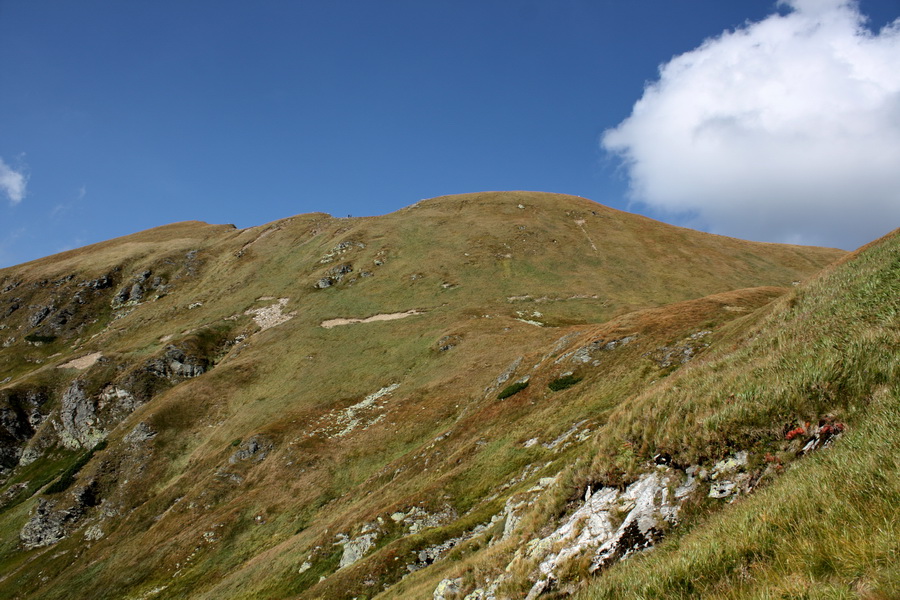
column 67, row 477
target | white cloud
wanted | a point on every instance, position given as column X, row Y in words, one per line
column 12, row 183
column 787, row 129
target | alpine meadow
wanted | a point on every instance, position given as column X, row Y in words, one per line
column 490, row 395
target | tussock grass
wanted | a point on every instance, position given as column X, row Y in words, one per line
column 829, row 527
column 821, row 350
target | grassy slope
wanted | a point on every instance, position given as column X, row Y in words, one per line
column 486, row 250
column 829, row 528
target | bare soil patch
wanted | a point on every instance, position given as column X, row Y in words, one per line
column 83, row 362
column 382, row 317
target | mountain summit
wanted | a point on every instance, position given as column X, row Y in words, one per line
column 492, row 395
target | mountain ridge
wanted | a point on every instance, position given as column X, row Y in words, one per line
column 223, row 439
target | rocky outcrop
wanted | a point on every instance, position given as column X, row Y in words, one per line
column 598, row 526
column 21, row 413
column 334, row 276
column 678, row 354
column 417, row 518
column 431, row 554
column 140, row 433
column 134, row 291
column 256, row 448
column 38, row 316
column 49, row 524
column 79, row 425
column 175, row 363
column 588, row 353
column 357, row 548
column 341, row 249
column 46, row 526
column 118, row 402
column 447, row 589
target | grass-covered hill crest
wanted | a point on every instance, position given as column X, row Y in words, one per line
column 495, row 395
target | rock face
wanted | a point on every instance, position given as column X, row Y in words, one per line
column 587, row 353
column 79, row 425
column 46, row 526
column 447, row 588
column 256, row 448
column 135, row 290
column 334, row 276
column 140, row 433
column 595, row 527
column 357, row 548
column 21, row 413
column 175, row 363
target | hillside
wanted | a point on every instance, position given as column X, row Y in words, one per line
column 488, row 395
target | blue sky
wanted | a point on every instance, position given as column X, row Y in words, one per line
column 120, row 116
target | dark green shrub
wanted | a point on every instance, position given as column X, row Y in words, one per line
column 562, row 383
column 513, row 389
column 44, row 339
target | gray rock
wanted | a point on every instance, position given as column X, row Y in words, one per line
column 136, row 294
column 21, row 413
column 596, row 527
column 93, row 533
column 48, row 526
column 175, row 363
column 357, row 548
column 100, row 283
column 585, row 353
column 11, row 286
column 79, row 425
column 256, row 447
column 418, row 518
column 333, row 276
column 234, row 477
column 507, row 373
column 121, row 402
column 122, row 296
column 133, row 292
column 13, row 307
column 722, row 489
column 447, row 587
column 29, row 455
column 39, row 315
column 140, row 433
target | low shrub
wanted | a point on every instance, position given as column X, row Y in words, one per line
column 43, row 339
column 564, row 382
column 513, row 389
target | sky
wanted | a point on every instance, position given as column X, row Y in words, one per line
column 770, row 121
